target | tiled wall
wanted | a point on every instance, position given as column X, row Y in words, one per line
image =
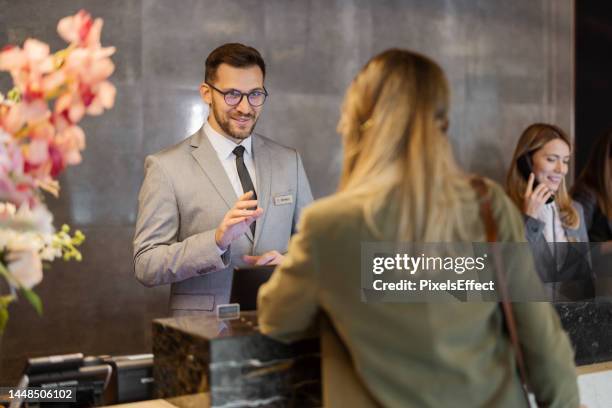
column 509, row 62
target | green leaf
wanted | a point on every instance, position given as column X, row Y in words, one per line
column 4, row 316
column 5, row 300
column 33, row 299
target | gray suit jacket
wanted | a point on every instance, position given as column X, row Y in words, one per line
column 184, row 196
column 568, row 276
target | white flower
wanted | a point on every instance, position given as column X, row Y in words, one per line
column 26, row 238
column 25, row 266
column 41, row 218
column 38, row 219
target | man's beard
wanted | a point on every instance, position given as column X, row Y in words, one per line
column 224, row 123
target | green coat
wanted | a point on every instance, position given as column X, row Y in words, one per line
column 410, row 354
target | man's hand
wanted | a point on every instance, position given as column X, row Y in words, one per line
column 534, row 199
column 269, row 258
column 237, row 220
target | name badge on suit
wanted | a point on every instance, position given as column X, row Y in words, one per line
column 283, row 199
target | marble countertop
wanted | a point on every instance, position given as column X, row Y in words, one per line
column 234, row 363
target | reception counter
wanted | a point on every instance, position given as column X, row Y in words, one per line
column 589, row 326
column 200, row 360
column 233, row 364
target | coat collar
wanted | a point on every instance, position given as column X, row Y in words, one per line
column 263, row 169
column 224, row 146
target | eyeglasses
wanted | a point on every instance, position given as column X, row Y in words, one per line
column 233, row 97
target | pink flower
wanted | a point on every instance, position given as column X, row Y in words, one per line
column 17, row 115
column 27, row 66
column 53, row 81
column 89, row 92
column 70, row 142
column 57, row 161
column 91, row 66
column 38, row 152
column 81, row 29
column 12, row 58
column 103, row 98
column 42, row 143
column 13, row 119
column 16, row 193
column 68, row 109
column 15, row 186
column 43, row 130
column 35, row 111
column 37, row 53
column 11, row 159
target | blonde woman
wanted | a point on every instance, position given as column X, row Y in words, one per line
column 536, row 184
column 400, row 183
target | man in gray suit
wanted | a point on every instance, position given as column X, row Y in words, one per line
column 222, row 198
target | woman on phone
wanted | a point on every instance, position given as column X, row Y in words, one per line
column 400, row 183
column 536, row 184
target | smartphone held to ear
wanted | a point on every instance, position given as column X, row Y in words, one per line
column 525, row 167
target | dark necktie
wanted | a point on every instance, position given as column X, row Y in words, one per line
column 245, row 179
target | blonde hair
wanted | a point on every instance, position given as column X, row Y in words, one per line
column 532, row 140
column 393, row 124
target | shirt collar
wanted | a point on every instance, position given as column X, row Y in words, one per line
column 224, row 146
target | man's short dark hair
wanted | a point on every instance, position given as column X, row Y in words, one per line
column 233, row 54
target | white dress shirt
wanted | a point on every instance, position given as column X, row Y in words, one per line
column 553, row 227
column 554, row 232
column 224, row 148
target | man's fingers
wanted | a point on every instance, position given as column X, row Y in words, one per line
column 234, row 221
column 237, row 212
column 244, row 213
column 258, row 260
column 245, row 204
column 274, row 253
column 246, row 196
column 250, row 259
column 269, row 258
column 240, row 213
column 234, row 218
column 250, row 220
column 257, row 213
column 247, row 218
column 264, row 259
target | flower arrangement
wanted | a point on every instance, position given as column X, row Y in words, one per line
column 39, row 138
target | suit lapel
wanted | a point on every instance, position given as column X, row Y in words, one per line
column 263, row 170
column 207, row 158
